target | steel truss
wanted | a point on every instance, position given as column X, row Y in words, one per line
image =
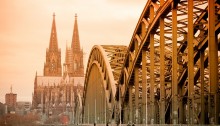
column 171, row 71
column 103, row 71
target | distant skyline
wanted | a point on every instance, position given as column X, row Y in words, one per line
column 25, row 28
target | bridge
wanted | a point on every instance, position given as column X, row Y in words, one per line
column 168, row 74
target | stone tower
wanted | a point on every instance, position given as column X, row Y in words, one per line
column 52, row 67
column 74, row 55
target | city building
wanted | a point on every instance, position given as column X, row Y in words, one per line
column 23, row 107
column 2, row 109
column 10, row 101
column 55, row 92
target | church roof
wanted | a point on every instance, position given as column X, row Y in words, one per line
column 48, row 80
column 52, row 80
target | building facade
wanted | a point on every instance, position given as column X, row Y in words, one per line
column 55, row 91
column 10, row 99
column 23, row 107
column 2, row 109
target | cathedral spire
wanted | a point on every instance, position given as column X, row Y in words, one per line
column 53, row 36
column 52, row 67
column 75, row 40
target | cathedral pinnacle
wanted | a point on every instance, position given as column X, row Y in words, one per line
column 75, row 16
column 54, row 15
column 53, row 36
column 75, row 39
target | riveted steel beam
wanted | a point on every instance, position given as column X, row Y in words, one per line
column 190, row 36
column 202, row 119
column 162, row 72
column 213, row 64
column 144, row 88
column 174, row 67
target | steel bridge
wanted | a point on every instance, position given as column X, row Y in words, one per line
column 169, row 73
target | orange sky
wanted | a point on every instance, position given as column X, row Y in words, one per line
column 25, row 27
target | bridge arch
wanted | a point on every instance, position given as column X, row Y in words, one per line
column 168, row 56
column 168, row 73
column 102, row 73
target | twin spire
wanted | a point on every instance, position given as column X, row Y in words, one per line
column 53, row 36
column 74, row 55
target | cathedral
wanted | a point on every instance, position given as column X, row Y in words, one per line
column 55, row 92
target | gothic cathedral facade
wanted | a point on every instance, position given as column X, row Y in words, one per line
column 55, row 92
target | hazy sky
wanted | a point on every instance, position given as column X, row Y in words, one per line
column 25, row 27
